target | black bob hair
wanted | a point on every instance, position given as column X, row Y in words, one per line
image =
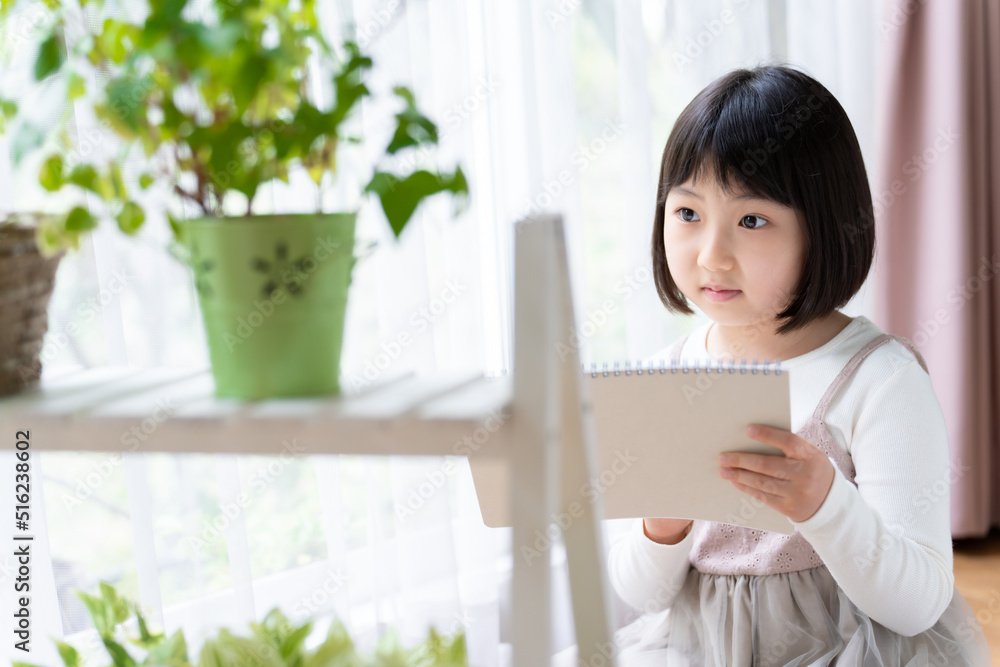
column 779, row 134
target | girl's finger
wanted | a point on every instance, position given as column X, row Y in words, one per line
column 762, row 496
column 763, row 483
column 789, row 443
column 767, row 464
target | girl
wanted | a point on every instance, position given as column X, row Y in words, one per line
column 764, row 221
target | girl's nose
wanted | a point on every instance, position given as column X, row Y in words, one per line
column 715, row 254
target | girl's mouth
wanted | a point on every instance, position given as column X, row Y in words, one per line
column 720, row 295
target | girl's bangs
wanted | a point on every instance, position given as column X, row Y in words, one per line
column 733, row 150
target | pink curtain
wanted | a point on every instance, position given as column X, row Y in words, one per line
column 937, row 192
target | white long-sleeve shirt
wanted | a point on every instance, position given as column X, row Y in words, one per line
column 887, row 542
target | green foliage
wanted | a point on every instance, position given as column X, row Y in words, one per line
column 57, row 232
column 401, row 197
column 274, row 642
column 214, row 106
column 8, row 109
column 51, row 55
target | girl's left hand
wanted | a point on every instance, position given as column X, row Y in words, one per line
column 795, row 484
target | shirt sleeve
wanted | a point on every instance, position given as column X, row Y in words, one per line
column 887, row 542
column 646, row 574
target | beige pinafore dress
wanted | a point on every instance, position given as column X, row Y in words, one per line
column 761, row 599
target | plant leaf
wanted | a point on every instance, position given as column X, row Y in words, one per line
column 80, row 220
column 51, row 55
column 389, row 652
column 85, row 176
column 69, row 655
column 348, row 84
column 127, row 98
column 8, row 109
column 248, row 79
column 51, row 175
column 146, row 638
column 116, row 181
column 118, row 605
column 412, row 127
column 175, row 227
column 131, row 218
column 292, row 644
column 119, row 656
column 52, row 237
column 117, row 39
column 227, row 650
column 337, row 649
column 171, row 651
column 75, row 86
column 400, row 198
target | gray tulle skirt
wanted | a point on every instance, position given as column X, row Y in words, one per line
column 791, row 620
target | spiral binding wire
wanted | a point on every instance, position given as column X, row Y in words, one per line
column 662, row 367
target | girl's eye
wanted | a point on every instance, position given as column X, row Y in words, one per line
column 684, row 212
column 760, row 222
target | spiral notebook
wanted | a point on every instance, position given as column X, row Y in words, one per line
column 659, row 429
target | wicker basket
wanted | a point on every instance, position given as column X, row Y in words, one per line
column 26, row 281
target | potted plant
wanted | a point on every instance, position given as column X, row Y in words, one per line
column 27, row 278
column 214, row 109
column 275, row 642
column 33, row 242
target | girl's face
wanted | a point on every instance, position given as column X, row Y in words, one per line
column 752, row 247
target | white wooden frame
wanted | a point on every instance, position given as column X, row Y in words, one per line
column 548, row 438
column 553, row 433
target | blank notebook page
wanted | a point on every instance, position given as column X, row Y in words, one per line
column 659, row 432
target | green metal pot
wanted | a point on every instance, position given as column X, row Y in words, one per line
column 273, row 295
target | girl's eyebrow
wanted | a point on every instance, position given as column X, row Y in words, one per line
column 741, row 197
column 685, row 191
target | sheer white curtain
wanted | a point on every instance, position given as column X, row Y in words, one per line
column 562, row 106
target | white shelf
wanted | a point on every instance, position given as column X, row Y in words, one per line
column 542, row 414
column 175, row 410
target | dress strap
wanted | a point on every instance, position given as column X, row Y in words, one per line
column 916, row 353
column 852, row 365
column 675, row 352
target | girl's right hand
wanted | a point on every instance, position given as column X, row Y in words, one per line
column 666, row 531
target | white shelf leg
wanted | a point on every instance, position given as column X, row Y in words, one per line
column 534, row 418
column 551, row 408
column 584, row 537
